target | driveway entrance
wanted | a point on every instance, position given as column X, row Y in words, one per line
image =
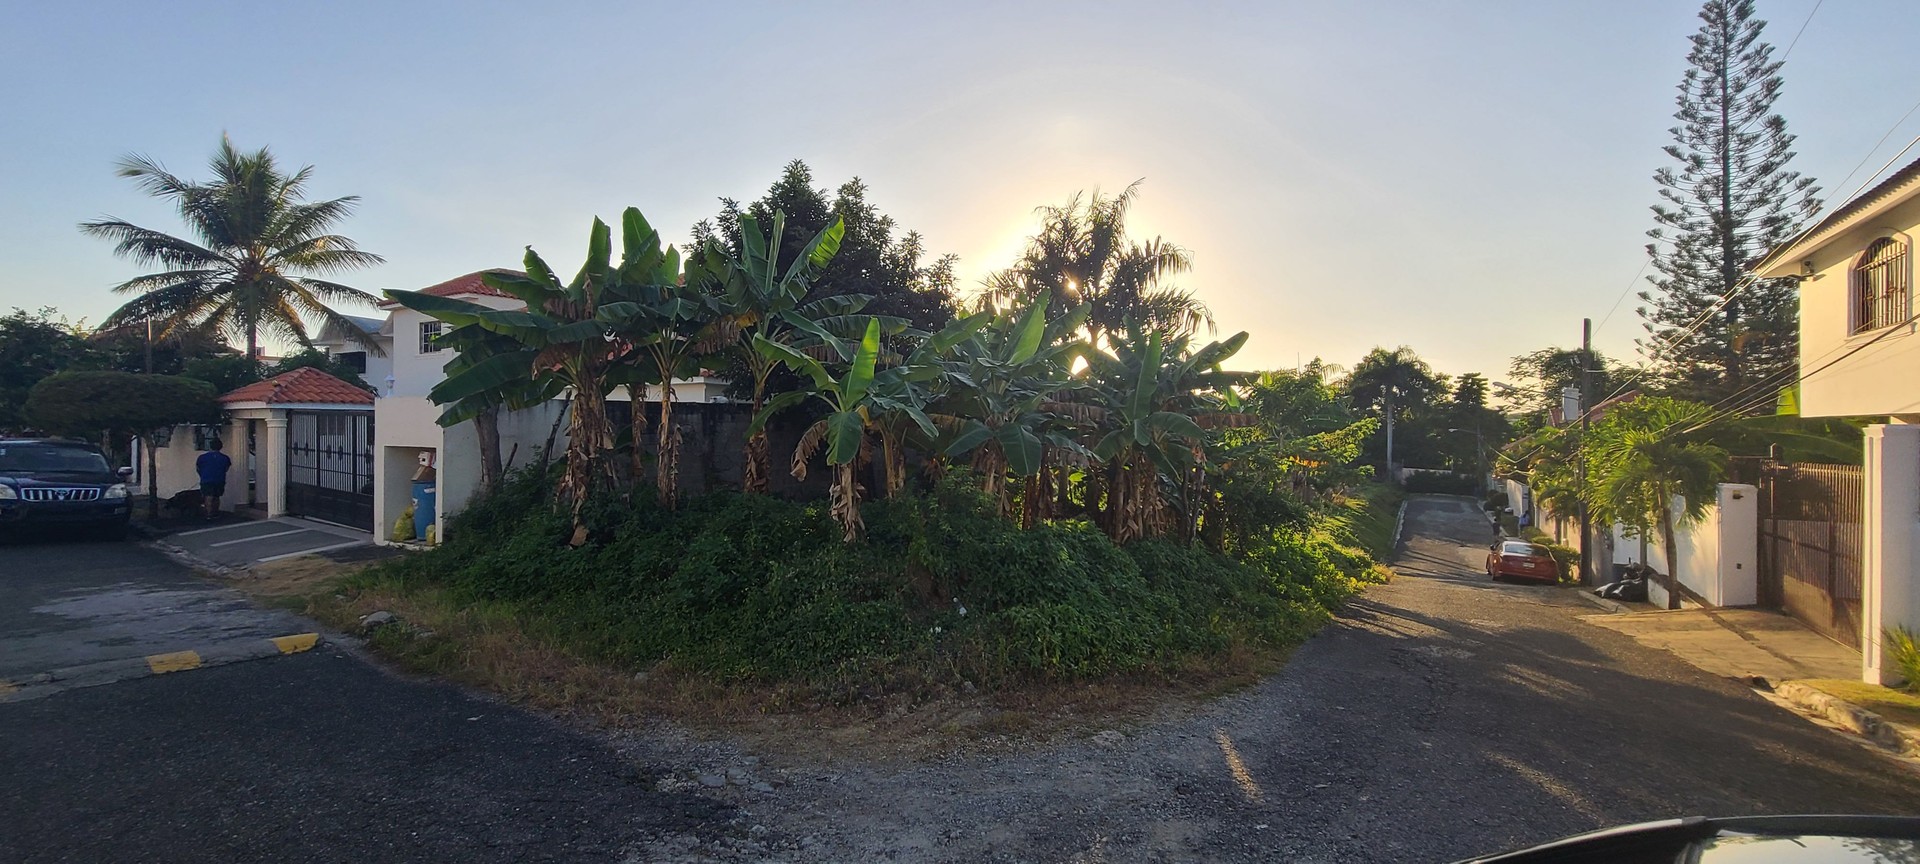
column 330, row 466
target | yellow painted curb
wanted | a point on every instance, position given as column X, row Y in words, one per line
column 178, row 661
column 296, row 643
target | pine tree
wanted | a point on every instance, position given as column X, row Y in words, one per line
column 1730, row 199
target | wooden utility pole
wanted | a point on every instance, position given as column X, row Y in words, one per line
column 1580, row 454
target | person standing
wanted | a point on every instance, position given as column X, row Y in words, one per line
column 213, row 466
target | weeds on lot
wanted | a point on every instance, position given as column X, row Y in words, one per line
column 739, row 603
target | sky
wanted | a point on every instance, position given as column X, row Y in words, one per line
column 1466, row 178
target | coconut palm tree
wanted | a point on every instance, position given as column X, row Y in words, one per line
column 1083, row 255
column 248, row 272
column 1641, row 459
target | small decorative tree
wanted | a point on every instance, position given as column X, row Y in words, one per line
column 126, row 403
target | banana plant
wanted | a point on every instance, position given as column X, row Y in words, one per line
column 1155, row 396
column 1001, row 382
column 563, row 338
column 667, row 320
column 474, row 345
column 762, row 300
column 843, row 431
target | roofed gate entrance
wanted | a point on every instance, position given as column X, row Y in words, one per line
column 330, row 466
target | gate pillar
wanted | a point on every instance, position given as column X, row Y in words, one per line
column 274, row 462
column 1890, row 589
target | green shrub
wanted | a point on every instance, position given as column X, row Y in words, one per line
column 1905, row 652
column 754, row 587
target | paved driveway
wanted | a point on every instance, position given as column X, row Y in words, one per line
column 242, row 544
column 316, row 756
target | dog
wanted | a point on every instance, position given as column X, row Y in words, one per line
column 187, row 503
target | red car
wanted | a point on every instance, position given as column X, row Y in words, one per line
column 1518, row 559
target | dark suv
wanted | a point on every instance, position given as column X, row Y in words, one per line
column 45, row 481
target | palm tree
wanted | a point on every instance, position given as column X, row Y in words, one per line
column 1083, row 255
column 244, row 276
column 1643, row 456
column 1390, row 381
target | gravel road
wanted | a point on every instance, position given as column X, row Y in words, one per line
column 1440, row 716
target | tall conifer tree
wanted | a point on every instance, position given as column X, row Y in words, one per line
column 1729, row 199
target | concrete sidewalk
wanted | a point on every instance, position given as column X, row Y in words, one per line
column 1739, row 643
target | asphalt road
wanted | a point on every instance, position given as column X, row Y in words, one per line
column 1455, row 716
column 1441, row 716
column 310, row 757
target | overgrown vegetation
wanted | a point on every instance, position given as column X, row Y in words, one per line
column 755, row 589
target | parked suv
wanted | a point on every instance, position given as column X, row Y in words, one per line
column 46, row 481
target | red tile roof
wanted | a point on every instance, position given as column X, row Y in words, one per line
column 303, row 386
column 468, row 284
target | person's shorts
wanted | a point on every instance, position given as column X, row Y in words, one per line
column 213, row 490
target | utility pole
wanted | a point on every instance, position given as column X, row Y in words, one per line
column 1580, row 455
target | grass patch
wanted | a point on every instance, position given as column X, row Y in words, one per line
column 1366, row 519
column 1897, row 706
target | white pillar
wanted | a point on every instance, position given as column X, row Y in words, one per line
column 233, row 442
column 1890, row 589
column 273, row 465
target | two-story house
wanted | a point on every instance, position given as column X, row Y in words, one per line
column 407, row 434
column 1860, row 356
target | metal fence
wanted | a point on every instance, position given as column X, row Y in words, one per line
column 1810, row 545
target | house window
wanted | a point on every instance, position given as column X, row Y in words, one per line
column 355, row 360
column 1882, row 286
column 430, row 331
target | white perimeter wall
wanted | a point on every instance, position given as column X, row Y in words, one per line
column 1718, row 554
column 405, row 426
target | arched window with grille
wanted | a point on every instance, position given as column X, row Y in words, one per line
column 1882, row 286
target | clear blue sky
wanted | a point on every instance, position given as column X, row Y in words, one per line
column 1468, row 178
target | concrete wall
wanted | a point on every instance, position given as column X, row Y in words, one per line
column 173, row 463
column 405, row 427
column 1881, row 379
column 1718, row 555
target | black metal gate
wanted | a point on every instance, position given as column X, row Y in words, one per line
column 1810, row 545
column 330, row 466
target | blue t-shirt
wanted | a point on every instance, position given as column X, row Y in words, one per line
column 213, row 466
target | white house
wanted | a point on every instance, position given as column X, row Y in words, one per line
column 374, row 367
column 1860, row 356
column 406, row 419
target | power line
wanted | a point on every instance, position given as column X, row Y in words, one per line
column 1750, row 278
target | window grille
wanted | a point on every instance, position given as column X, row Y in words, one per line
column 1882, row 286
column 430, row 331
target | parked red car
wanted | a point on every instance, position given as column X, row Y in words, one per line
column 1518, row 559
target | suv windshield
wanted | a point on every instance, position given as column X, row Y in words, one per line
column 41, row 458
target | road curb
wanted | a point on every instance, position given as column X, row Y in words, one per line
column 1399, row 520
column 1853, row 718
column 110, row 671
